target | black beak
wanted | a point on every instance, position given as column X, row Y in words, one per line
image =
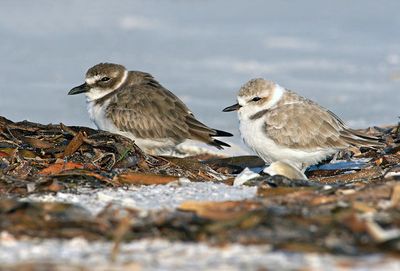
column 79, row 89
column 234, row 107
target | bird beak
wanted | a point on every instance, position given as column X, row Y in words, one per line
column 79, row 89
column 234, row 107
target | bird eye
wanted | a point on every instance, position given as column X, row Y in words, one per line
column 255, row 99
column 105, row 79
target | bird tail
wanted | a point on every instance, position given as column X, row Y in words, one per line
column 360, row 139
column 221, row 133
column 218, row 143
column 203, row 133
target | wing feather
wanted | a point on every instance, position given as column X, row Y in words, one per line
column 304, row 125
column 151, row 111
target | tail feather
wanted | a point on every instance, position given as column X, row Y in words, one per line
column 197, row 126
column 358, row 139
column 207, row 138
column 222, row 133
column 218, row 144
column 203, row 133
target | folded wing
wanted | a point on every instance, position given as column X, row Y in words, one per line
column 308, row 126
column 155, row 112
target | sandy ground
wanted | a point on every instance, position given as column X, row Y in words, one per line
column 164, row 255
column 152, row 197
column 150, row 254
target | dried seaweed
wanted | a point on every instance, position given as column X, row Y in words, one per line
column 38, row 154
column 347, row 210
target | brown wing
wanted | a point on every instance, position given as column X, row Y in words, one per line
column 304, row 125
column 150, row 111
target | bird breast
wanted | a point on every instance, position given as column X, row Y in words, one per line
column 97, row 113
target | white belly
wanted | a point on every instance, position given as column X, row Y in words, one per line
column 254, row 136
column 97, row 114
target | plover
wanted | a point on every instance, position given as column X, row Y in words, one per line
column 280, row 125
column 134, row 104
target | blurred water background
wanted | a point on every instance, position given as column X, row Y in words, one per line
column 343, row 54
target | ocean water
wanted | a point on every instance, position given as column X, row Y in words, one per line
column 343, row 54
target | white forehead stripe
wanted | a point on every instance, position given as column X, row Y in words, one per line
column 242, row 101
column 277, row 94
column 93, row 79
column 97, row 93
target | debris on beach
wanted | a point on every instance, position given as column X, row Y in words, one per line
column 349, row 206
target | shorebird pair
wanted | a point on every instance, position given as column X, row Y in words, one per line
column 278, row 124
